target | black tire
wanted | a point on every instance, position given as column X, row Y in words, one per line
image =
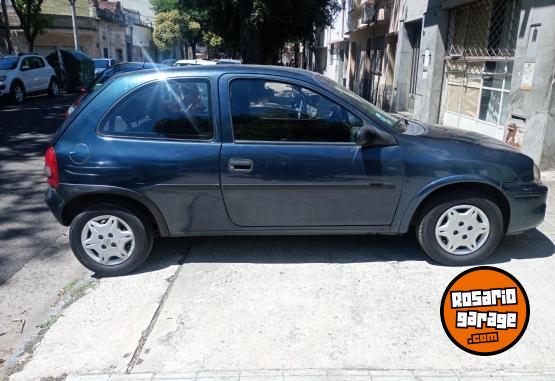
column 141, row 231
column 14, row 92
column 425, row 228
column 53, row 88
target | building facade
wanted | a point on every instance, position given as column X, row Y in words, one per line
column 105, row 29
column 478, row 65
column 358, row 51
column 138, row 35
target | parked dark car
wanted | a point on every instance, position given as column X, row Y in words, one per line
column 105, row 75
column 240, row 149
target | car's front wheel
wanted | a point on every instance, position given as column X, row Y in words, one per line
column 110, row 240
column 17, row 92
column 460, row 230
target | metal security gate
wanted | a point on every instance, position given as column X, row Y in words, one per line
column 479, row 64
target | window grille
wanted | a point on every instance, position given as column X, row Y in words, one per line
column 485, row 29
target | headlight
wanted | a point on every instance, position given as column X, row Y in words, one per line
column 537, row 174
column 2, row 78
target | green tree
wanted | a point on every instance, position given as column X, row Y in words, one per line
column 191, row 29
column 258, row 29
column 31, row 20
column 160, row 6
column 169, row 29
column 213, row 43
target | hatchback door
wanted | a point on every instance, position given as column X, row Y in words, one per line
column 289, row 159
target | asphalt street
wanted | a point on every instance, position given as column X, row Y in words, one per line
column 35, row 260
column 26, row 226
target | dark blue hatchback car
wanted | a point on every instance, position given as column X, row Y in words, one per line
column 238, row 149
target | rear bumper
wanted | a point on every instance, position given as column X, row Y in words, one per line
column 56, row 203
column 527, row 202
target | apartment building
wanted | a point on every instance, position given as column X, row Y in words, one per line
column 478, row 65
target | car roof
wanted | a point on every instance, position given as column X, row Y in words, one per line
column 218, row 70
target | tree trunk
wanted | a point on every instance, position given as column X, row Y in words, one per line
column 194, row 48
column 185, row 49
column 6, row 23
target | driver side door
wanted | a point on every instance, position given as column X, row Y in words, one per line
column 27, row 74
column 289, row 158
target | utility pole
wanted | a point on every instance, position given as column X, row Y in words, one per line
column 74, row 22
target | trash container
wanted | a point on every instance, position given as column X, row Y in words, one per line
column 74, row 68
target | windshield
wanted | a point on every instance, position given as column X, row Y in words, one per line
column 99, row 64
column 8, row 63
column 363, row 104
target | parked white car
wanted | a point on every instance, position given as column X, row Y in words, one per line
column 26, row 74
column 194, row 62
column 101, row 64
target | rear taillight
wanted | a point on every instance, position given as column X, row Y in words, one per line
column 51, row 167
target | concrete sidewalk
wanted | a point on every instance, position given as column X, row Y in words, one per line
column 345, row 308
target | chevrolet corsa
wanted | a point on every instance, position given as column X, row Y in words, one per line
column 243, row 150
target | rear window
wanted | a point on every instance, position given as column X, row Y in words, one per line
column 169, row 109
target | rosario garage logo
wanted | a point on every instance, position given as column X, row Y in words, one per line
column 485, row 310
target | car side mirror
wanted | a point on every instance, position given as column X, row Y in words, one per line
column 25, row 67
column 369, row 136
column 365, row 136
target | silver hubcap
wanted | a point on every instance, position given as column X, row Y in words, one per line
column 462, row 229
column 54, row 88
column 18, row 94
column 108, row 240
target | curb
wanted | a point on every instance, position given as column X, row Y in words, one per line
column 324, row 374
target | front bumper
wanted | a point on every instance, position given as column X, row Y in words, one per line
column 56, row 204
column 527, row 202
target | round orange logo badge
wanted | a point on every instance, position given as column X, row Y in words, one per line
column 485, row 310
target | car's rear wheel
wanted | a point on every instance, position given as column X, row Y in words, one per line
column 53, row 88
column 460, row 230
column 110, row 240
column 17, row 93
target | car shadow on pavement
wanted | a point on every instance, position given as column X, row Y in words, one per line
column 324, row 249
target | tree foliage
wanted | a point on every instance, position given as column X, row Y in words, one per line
column 169, row 29
column 188, row 23
column 213, row 42
column 160, row 6
column 257, row 29
column 31, row 19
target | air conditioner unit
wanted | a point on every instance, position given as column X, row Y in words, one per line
column 368, row 12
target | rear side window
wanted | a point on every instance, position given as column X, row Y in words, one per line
column 170, row 109
column 265, row 110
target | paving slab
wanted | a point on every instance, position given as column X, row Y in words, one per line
column 340, row 302
column 101, row 331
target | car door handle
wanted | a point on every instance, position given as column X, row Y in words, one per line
column 240, row 165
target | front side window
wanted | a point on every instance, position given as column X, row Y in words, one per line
column 172, row 109
column 274, row 111
column 26, row 64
